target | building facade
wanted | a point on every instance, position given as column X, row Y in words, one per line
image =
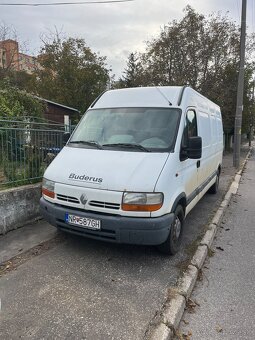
column 11, row 58
column 56, row 112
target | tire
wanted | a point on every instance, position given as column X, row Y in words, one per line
column 172, row 245
column 215, row 187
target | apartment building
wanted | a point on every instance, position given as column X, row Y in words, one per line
column 11, row 58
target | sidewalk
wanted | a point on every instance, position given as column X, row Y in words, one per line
column 20, row 240
column 222, row 305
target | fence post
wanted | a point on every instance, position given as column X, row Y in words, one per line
column 67, row 123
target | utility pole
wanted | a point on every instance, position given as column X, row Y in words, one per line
column 240, row 86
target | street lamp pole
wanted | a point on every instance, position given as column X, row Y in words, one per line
column 240, row 87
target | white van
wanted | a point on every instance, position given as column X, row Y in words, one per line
column 137, row 163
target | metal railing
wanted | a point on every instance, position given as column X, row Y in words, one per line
column 26, row 149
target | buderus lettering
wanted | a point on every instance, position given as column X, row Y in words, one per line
column 86, row 178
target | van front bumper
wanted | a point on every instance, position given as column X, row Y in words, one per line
column 114, row 228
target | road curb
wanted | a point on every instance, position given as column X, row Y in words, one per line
column 172, row 311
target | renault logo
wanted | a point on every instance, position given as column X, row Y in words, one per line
column 83, row 199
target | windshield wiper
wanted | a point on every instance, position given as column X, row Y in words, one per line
column 87, row 142
column 128, row 145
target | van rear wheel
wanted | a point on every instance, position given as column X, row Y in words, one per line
column 172, row 245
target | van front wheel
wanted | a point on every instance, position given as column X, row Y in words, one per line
column 172, row 245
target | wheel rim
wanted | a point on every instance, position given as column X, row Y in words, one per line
column 177, row 228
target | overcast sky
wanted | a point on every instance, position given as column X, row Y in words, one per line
column 114, row 30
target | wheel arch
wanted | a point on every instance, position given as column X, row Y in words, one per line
column 180, row 200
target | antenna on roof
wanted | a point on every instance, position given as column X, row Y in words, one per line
column 162, row 94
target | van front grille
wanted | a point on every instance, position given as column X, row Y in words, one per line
column 65, row 198
column 98, row 204
column 107, row 205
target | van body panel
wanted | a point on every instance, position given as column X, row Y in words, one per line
column 91, row 199
column 130, row 230
column 107, row 169
column 140, row 97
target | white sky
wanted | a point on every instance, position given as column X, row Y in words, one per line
column 114, row 30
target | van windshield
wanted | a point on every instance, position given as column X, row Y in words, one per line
column 143, row 129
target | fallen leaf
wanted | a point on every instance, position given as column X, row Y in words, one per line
column 186, row 322
column 186, row 336
column 190, row 306
column 219, row 329
column 197, row 303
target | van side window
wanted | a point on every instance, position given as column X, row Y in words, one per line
column 190, row 130
column 191, row 123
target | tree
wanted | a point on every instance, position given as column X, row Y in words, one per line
column 21, row 80
column 202, row 52
column 70, row 72
column 15, row 103
column 132, row 73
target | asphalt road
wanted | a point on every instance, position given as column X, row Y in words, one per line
column 86, row 289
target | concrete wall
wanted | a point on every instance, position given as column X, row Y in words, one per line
column 19, row 206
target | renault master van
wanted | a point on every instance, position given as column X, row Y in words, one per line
column 139, row 160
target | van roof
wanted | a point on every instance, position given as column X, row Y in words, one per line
column 161, row 96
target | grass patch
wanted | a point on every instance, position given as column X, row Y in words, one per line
column 192, row 246
column 183, row 265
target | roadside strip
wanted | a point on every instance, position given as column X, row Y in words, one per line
column 166, row 321
column 16, row 261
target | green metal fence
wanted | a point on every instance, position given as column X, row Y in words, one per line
column 26, row 149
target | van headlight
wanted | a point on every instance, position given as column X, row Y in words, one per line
column 139, row 201
column 48, row 188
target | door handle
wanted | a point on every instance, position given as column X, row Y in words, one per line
column 198, row 164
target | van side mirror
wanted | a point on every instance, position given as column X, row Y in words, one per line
column 66, row 136
column 194, row 149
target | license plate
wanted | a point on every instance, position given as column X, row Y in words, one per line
column 84, row 222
